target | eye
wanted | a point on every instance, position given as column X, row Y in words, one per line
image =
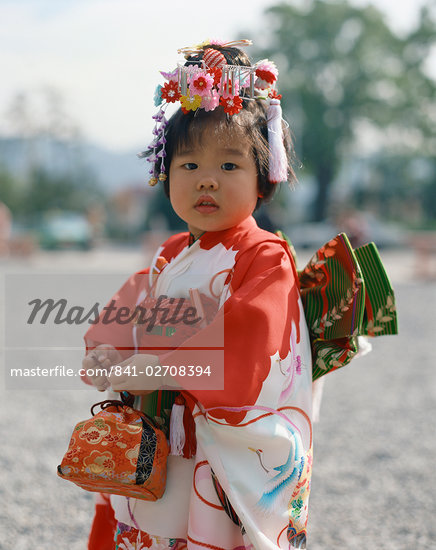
column 228, row 166
column 190, row 166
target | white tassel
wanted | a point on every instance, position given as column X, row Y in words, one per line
column 278, row 162
column 177, row 430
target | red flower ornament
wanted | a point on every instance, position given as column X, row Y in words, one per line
column 232, row 105
column 170, row 92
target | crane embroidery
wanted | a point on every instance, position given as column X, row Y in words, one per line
column 282, row 478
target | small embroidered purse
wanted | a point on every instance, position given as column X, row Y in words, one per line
column 120, row 450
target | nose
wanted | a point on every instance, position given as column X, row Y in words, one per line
column 207, row 183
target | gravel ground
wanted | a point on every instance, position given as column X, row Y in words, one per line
column 374, row 481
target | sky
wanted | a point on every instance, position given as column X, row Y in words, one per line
column 102, row 57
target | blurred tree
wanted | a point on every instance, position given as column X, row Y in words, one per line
column 343, row 68
column 39, row 112
column 46, row 190
column 49, row 191
column 18, row 119
column 49, row 144
column 398, row 187
column 9, row 193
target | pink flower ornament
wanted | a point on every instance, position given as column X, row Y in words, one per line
column 201, row 84
column 211, row 101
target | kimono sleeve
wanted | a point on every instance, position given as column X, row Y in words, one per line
column 257, row 320
column 114, row 325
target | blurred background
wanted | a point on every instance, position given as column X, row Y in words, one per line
column 358, row 80
column 358, row 85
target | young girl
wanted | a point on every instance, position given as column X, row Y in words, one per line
column 240, row 476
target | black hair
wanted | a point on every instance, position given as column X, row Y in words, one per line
column 186, row 129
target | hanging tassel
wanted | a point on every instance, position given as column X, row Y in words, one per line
column 177, row 430
column 190, row 447
column 278, row 162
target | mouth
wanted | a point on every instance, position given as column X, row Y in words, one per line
column 206, row 205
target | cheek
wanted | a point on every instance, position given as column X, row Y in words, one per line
column 173, row 186
column 175, row 198
column 178, row 198
column 245, row 201
column 254, row 192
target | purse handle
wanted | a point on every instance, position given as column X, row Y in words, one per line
column 127, row 400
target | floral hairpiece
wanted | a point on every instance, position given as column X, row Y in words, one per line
column 211, row 82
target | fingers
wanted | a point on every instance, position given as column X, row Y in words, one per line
column 96, row 371
column 124, row 378
column 119, row 382
column 137, row 385
column 104, row 362
column 140, row 374
column 88, row 362
column 107, row 355
column 101, row 383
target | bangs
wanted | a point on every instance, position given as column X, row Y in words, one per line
column 186, row 132
column 189, row 129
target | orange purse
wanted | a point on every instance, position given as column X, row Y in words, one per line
column 120, row 450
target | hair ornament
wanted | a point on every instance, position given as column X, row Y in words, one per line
column 155, row 153
column 195, row 50
column 208, row 82
column 214, row 58
column 278, row 163
column 201, row 84
column 267, row 73
column 169, row 76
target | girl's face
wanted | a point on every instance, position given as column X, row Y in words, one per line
column 213, row 184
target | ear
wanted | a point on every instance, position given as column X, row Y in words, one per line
column 259, row 192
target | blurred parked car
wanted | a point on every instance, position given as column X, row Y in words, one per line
column 65, row 230
column 314, row 235
column 310, row 235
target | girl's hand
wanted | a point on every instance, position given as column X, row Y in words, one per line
column 131, row 375
column 98, row 362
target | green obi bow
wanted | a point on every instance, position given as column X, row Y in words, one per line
column 346, row 293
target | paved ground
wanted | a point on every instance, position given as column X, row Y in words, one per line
column 374, row 483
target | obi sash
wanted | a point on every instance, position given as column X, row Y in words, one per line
column 346, row 293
